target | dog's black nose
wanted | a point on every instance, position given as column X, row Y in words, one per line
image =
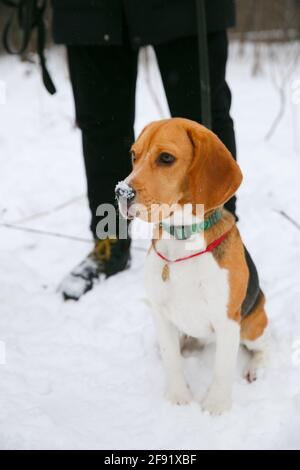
column 124, row 191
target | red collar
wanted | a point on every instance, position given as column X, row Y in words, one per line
column 209, row 249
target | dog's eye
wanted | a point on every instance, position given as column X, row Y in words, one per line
column 165, row 159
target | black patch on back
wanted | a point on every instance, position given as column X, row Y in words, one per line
column 253, row 289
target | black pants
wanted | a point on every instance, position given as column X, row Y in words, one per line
column 104, row 82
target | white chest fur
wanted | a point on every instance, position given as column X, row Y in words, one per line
column 195, row 296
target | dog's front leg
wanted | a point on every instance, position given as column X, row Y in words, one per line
column 219, row 395
column 169, row 342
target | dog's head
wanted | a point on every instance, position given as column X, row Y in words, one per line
column 177, row 162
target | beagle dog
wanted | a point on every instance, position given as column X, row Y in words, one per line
column 200, row 279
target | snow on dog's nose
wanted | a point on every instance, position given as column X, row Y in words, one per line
column 125, row 195
column 123, row 190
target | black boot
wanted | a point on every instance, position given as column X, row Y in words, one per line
column 109, row 257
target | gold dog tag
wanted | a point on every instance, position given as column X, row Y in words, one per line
column 165, row 273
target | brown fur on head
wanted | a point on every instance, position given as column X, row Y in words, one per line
column 178, row 161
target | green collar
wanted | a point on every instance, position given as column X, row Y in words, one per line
column 183, row 232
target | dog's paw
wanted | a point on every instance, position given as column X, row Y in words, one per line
column 256, row 367
column 216, row 403
column 252, row 373
column 179, row 396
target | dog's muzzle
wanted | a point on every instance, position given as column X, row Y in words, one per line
column 125, row 195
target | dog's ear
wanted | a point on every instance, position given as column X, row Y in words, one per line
column 214, row 176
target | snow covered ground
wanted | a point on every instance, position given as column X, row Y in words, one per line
column 88, row 374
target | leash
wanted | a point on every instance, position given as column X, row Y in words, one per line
column 206, row 114
column 29, row 15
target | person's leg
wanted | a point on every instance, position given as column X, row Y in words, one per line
column 179, row 66
column 103, row 81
